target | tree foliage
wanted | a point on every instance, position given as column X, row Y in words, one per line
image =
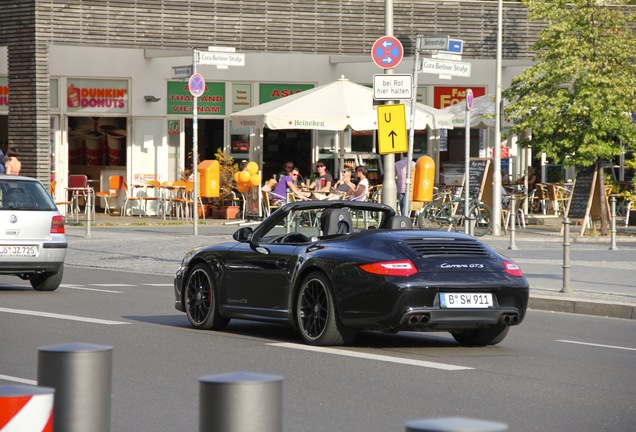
column 576, row 98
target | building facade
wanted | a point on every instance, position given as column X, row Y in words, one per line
column 87, row 86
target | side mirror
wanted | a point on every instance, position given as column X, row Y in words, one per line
column 243, row 234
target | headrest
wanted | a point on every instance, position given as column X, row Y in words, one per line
column 335, row 221
column 400, row 222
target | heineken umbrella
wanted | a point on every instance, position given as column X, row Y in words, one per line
column 482, row 116
column 336, row 106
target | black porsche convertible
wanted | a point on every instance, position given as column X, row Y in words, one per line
column 332, row 268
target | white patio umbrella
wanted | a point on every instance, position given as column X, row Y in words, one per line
column 482, row 105
column 336, row 106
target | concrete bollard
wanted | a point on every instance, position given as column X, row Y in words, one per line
column 26, row 408
column 454, row 424
column 566, row 256
column 513, row 219
column 241, row 401
column 81, row 375
column 613, row 232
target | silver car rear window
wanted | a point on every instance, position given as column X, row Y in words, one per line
column 24, row 195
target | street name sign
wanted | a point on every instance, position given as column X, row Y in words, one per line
column 181, row 72
column 222, row 49
column 444, row 55
column 446, row 67
column 392, row 136
column 433, row 43
column 221, row 58
column 392, row 87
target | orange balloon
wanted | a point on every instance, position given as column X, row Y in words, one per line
column 241, row 187
column 255, row 180
column 252, row 167
column 244, row 177
column 236, row 177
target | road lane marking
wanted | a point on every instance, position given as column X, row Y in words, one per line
column 83, row 288
column 18, row 380
column 410, row 362
column 60, row 316
column 159, row 285
column 597, row 345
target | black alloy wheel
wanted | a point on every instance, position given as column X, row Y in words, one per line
column 200, row 299
column 316, row 314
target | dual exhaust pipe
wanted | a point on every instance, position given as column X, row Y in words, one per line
column 422, row 319
column 510, row 319
column 417, row 320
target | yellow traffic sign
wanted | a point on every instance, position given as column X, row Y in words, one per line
column 392, row 137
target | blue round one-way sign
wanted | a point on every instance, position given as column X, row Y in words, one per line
column 387, row 52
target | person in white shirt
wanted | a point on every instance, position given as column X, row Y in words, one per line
column 359, row 192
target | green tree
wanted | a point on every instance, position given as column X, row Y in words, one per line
column 576, row 99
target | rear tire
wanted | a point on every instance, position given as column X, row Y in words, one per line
column 200, row 299
column 316, row 314
column 47, row 281
column 482, row 337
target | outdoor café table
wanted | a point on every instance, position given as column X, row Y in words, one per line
column 89, row 206
column 168, row 193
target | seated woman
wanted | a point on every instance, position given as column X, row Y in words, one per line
column 359, row 193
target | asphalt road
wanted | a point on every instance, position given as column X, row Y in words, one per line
column 554, row 372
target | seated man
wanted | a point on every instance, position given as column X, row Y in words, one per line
column 279, row 195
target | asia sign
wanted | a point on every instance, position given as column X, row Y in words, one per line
column 270, row 92
column 211, row 101
column 96, row 96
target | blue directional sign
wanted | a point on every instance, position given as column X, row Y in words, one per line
column 387, row 52
column 455, row 46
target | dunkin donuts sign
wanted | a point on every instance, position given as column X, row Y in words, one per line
column 97, row 96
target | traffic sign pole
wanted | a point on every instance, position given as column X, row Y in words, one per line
column 469, row 107
column 195, row 151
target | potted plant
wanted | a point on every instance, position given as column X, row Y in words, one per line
column 222, row 207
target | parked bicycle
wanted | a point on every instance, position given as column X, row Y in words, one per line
column 450, row 215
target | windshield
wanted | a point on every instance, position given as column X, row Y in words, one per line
column 315, row 224
column 24, row 195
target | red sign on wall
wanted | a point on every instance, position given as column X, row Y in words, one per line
column 446, row 96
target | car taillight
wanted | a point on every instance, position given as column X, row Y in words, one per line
column 512, row 269
column 391, row 268
column 57, row 225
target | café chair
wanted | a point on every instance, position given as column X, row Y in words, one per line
column 115, row 184
column 267, row 205
column 130, row 198
column 67, row 203
column 153, row 194
column 558, row 198
column 506, row 212
column 538, row 199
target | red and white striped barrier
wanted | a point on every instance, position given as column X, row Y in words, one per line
column 26, row 409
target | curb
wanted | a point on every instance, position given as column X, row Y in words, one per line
column 583, row 307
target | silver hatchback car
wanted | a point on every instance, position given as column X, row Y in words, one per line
column 32, row 239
